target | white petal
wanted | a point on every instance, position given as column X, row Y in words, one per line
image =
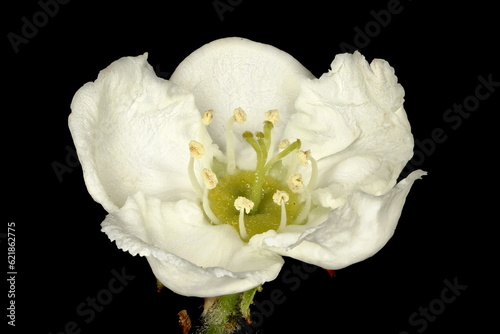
column 352, row 233
column 131, row 130
column 187, row 254
column 236, row 72
column 352, row 119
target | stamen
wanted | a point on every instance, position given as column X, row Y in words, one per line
column 304, row 157
column 239, row 117
column 243, row 204
column 196, row 149
column 272, row 116
column 281, row 197
column 283, row 144
column 193, row 179
column 208, row 210
column 209, row 178
column 314, row 174
column 207, row 117
column 295, row 182
column 305, row 210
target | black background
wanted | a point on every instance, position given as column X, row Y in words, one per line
column 446, row 231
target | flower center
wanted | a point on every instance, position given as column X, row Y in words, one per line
column 254, row 201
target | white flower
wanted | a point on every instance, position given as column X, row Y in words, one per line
column 243, row 157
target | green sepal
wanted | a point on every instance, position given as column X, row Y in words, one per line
column 246, row 301
column 159, row 285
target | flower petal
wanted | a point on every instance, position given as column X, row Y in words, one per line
column 187, row 254
column 236, row 72
column 352, row 233
column 352, row 119
column 131, row 130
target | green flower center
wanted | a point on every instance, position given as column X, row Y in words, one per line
column 267, row 216
column 254, row 201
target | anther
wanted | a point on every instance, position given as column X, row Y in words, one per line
column 272, row 116
column 304, row 157
column 240, row 116
column 207, row 117
column 196, row 149
column 295, row 182
column 209, row 178
column 243, row 204
column 284, row 144
column 280, row 197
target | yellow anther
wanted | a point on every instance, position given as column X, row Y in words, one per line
column 240, row 116
column 283, row 144
column 207, row 117
column 209, row 178
column 280, row 197
column 196, row 149
column 243, row 203
column 272, row 116
column 295, row 182
column 304, row 157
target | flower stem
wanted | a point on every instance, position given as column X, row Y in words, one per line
column 222, row 316
column 220, row 319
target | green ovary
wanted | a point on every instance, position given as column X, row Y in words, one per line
column 268, row 214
